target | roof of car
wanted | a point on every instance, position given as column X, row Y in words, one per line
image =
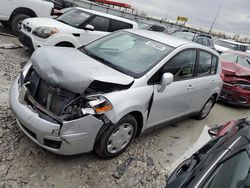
column 149, row 22
column 107, row 15
column 161, row 37
column 236, row 52
column 233, row 42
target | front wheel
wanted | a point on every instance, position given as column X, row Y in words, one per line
column 116, row 138
column 206, row 108
column 16, row 22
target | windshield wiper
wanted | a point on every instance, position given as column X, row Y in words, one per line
column 248, row 61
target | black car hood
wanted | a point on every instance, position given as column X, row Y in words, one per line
column 73, row 70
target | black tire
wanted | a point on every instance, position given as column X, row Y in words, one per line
column 65, row 44
column 101, row 144
column 202, row 115
column 15, row 22
column 5, row 24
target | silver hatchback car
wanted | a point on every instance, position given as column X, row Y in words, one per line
column 101, row 96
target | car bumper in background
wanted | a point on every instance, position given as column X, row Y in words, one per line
column 235, row 95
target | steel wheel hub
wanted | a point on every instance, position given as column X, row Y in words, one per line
column 207, row 108
column 120, row 138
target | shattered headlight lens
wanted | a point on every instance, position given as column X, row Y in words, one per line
column 100, row 105
column 45, row 32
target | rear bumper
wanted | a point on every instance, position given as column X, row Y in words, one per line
column 72, row 137
column 235, row 95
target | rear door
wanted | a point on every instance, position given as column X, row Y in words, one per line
column 175, row 100
column 206, row 79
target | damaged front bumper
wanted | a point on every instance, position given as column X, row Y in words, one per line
column 72, row 137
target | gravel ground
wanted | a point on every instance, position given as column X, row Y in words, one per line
column 24, row 164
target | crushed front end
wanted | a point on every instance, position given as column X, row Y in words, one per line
column 55, row 118
column 236, row 90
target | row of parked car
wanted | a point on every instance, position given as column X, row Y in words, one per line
column 110, row 89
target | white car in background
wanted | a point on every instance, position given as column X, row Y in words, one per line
column 222, row 45
column 74, row 28
column 13, row 12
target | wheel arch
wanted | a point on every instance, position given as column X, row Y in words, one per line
column 23, row 10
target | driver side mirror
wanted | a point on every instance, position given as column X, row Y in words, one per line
column 166, row 79
column 89, row 27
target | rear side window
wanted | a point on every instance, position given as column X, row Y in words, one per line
column 182, row 65
column 199, row 41
column 100, row 23
column 117, row 25
column 204, row 65
column 214, row 65
column 205, row 42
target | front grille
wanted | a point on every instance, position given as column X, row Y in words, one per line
column 54, row 99
column 26, row 41
column 27, row 28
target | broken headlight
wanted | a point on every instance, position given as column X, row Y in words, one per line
column 100, row 105
column 82, row 106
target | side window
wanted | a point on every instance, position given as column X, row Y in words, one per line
column 214, row 65
column 234, row 172
column 182, row 65
column 100, row 23
column 205, row 42
column 204, row 65
column 117, row 25
column 199, row 41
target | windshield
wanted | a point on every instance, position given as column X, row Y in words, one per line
column 127, row 52
column 184, row 35
column 74, row 17
column 239, row 59
column 226, row 44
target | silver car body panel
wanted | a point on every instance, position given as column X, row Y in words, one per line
column 75, row 71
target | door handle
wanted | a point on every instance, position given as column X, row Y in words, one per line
column 190, row 87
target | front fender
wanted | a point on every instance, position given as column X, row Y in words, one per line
column 130, row 100
column 57, row 38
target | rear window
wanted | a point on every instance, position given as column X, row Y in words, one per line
column 117, row 25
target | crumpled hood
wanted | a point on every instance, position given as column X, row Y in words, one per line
column 234, row 69
column 71, row 69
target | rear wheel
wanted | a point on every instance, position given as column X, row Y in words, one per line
column 116, row 138
column 206, row 108
column 16, row 22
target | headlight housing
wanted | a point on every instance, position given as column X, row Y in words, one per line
column 45, row 32
column 100, row 105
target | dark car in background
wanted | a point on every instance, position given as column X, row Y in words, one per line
column 222, row 163
column 236, row 78
column 151, row 26
column 61, row 4
column 203, row 39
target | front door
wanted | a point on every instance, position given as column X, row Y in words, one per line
column 175, row 100
column 100, row 25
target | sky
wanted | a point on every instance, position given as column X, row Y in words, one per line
column 234, row 15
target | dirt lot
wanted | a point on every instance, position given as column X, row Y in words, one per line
column 24, row 164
